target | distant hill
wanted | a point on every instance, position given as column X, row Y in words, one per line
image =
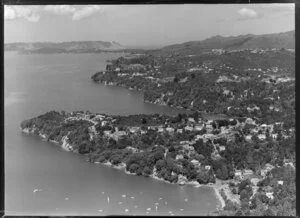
column 64, row 47
column 277, row 40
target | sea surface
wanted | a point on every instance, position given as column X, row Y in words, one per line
column 43, row 179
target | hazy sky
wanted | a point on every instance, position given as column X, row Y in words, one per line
column 143, row 24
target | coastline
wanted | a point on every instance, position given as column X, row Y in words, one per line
column 217, row 187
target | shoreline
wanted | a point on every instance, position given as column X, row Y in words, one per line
column 217, row 187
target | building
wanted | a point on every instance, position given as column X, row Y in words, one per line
column 261, row 136
column 180, row 130
column 170, row 129
column 191, row 120
column 247, row 172
column 134, row 129
column 207, row 167
column 222, row 148
column 188, row 128
column 196, row 163
column 179, row 156
column 280, row 182
column 198, row 127
column 248, row 137
column 160, row 129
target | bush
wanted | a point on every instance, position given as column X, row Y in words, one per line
column 147, row 171
column 133, row 168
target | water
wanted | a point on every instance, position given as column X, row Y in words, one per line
column 43, row 179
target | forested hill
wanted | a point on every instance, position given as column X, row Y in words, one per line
column 268, row 41
column 64, row 47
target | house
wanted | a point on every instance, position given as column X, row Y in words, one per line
column 247, row 172
column 207, row 167
column 198, row 127
column 180, row 130
column 188, row 128
column 280, row 182
column 261, row 136
column 270, row 195
column 179, row 156
column 170, row 129
column 196, row 163
column 191, row 120
column 160, row 129
column 222, row 148
column 248, row 137
column 134, row 129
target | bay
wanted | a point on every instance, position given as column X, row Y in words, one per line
column 43, row 179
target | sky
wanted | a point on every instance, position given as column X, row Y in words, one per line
column 143, row 25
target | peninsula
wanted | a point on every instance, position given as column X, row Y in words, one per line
column 247, row 154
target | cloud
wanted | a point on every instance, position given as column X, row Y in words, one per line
column 86, row 11
column 247, row 13
column 278, row 7
column 27, row 12
column 33, row 13
column 60, row 9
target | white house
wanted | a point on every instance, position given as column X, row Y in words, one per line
column 222, row 148
column 170, row 129
column 160, row 129
column 191, row 120
column 248, row 172
column 180, row 130
column 188, row 128
column 248, row 137
column 207, row 167
column 270, row 195
column 198, row 127
column 261, row 136
column 179, row 156
column 280, row 182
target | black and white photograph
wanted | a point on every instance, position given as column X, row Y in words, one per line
column 149, row 110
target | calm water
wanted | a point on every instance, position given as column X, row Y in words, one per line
column 35, row 84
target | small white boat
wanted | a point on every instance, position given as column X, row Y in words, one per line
column 37, row 190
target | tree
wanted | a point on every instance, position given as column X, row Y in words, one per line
column 133, row 168
column 202, row 177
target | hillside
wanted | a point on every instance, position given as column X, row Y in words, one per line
column 249, row 41
column 64, row 47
